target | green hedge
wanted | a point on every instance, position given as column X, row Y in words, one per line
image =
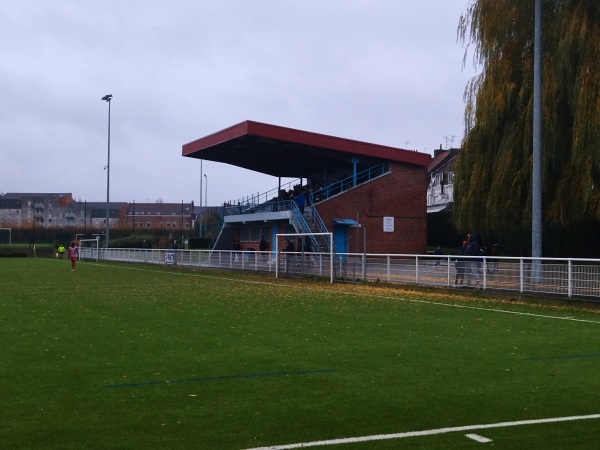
column 132, row 241
column 27, row 252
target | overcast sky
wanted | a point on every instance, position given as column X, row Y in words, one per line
column 382, row 71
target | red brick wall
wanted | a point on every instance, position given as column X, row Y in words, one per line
column 401, row 195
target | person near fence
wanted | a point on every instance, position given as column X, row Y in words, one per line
column 460, row 265
column 494, row 252
column 290, row 260
column 73, row 254
column 236, row 247
column 262, row 246
column 145, row 246
column 473, row 265
column 61, row 251
column 438, row 251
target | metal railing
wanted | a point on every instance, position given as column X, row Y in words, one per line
column 563, row 277
column 349, row 182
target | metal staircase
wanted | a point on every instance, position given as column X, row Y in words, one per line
column 311, row 222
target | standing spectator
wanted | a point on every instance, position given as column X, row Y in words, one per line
column 263, row 244
column 73, row 255
column 145, row 246
column 438, row 251
column 301, row 202
column 473, row 267
column 290, row 247
column 494, row 251
column 460, row 264
column 236, row 246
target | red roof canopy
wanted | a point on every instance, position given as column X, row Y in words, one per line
column 287, row 152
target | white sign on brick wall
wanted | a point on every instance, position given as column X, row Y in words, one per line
column 388, row 224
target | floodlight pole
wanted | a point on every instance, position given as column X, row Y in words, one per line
column 107, row 98
column 536, row 179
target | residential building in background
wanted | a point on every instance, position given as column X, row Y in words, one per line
column 60, row 211
column 440, row 173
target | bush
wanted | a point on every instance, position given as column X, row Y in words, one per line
column 133, row 241
column 198, row 243
column 10, row 253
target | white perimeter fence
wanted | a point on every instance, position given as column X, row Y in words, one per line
column 565, row 277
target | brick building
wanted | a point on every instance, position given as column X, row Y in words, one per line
column 60, row 211
column 55, row 211
column 163, row 216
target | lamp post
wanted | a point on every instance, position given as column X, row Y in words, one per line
column 107, row 98
column 205, row 201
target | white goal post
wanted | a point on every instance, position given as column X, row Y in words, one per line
column 88, row 249
column 301, row 235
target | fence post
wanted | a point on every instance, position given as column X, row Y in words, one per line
column 388, row 268
column 484, row 272
column 521, row 275
column 416, row 269
column 570, row 279
column 364, row 267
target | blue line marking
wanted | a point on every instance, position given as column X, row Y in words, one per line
column 537, row 358
column 222, row 377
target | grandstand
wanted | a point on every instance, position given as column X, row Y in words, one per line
column 349, row 187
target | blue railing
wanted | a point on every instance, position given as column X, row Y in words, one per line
column 349, row 182
column 258, row 198
column 254, row 208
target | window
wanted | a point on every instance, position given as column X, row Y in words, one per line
column 266, row 233
column 147, row 224
column 244, row 234
column 255, row 234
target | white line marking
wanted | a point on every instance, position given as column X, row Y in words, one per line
column 380, row 437
column 364, row 294
column 478, row 438
column 479, row 308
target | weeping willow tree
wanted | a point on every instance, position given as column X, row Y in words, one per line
column 494, row 169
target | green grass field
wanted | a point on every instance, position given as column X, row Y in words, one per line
column 137, row 357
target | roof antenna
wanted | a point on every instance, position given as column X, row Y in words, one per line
column 449, row 139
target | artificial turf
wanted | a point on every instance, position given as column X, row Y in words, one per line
column 136, row 356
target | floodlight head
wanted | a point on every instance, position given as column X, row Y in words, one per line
column 107, row 97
